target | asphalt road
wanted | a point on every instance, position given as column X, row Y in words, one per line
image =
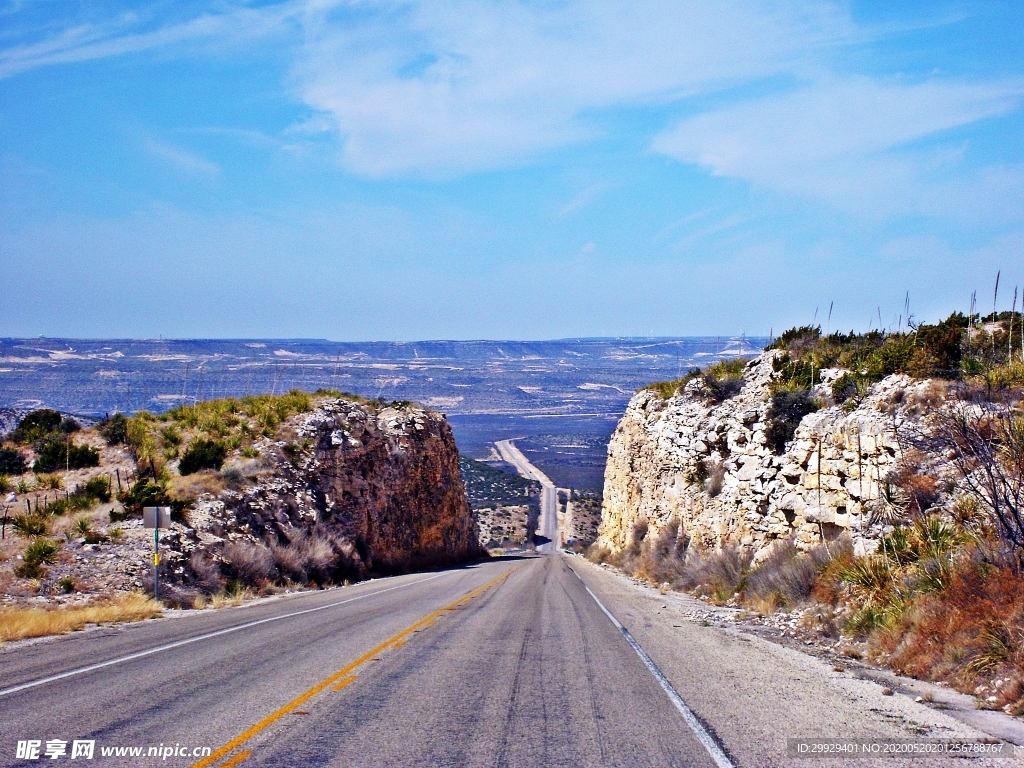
column 512, row 662
column 547, row 525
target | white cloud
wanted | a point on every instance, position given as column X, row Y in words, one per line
column 118, row 37
column 843, row 140
column 442, row 88
column 182, row 159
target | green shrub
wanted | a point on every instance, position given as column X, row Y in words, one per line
column 845, row 387
column 30, row 571
column 67, row 584
column 5, row 483
column 145, row 493
column 60, row 454
column 724, row 379
column 787, row 409
column 51, row 482
column 36, row 554
column 925, row 351
column 12, row 462
column 97, row 488
column 114, row 429
column 36, row 426
column 667, row 389
column 202, row 454
column 30, row 525
column 41, row 551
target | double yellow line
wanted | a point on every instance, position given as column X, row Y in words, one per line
column 394, row 642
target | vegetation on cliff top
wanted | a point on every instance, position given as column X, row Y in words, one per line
column 721, row 380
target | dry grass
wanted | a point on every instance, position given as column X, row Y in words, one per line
column 191, row 487
column 23, row 623
column 232, row 599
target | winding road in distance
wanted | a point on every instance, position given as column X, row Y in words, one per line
column 547, row 525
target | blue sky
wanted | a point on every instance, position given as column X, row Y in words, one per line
column 382, row 169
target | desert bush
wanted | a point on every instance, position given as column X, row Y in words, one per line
column 968, row 632
column 924, row 351
column 920, row 491
column 50, row 481
column 12, row 462
column 787, row 410
column 30, row 525
column 35, row 556
column 97, row 488
column 36, row 426
column 5, row 483
column 662, row 557
column 63, row 454
column 306, row 557
column 191, row 487
column 788, row 576
column 205, row 573
column 249, row 563
column 202, row 454
column 145, row 493
column 715, row 475
column 716, row 574
column 41, row 551
column 114, row 429
column 724, row 379
column 985, row 443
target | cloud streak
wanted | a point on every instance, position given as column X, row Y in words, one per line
column 848, row 141
column 442, row 88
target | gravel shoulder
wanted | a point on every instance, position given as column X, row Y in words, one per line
column 755, row 690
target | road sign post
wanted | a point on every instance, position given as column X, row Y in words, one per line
column 156, row 518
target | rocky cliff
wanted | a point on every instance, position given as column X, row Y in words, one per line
column 708, row 464
column 380, row 486
column 337, row 489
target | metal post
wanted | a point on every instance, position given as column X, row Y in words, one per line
column 156, row 562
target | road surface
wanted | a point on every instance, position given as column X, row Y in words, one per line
column 547, row 525
column 512, row 662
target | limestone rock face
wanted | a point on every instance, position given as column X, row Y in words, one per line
column 382, row 485
column 822, row 485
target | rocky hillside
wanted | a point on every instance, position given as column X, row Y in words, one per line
column 713, row 461
column 331, row 488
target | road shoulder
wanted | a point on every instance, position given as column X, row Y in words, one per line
column 720, row 670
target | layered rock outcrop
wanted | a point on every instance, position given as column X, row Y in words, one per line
column 827, row 481
column 380, row 485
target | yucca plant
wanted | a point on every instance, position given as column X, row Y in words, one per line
column 30, row 525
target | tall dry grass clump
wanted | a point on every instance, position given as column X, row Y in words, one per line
column 23, row 623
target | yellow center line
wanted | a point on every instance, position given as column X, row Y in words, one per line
column 236, row 759
column 335, row 678
column 346, row 681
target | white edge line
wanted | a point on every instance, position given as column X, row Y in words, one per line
column 721, row 759
column 197, row 638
